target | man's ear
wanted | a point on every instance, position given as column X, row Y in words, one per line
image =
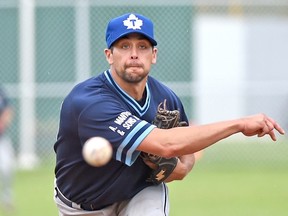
column 154, row 55
column 109, row 55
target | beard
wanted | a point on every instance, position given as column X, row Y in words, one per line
column 131, row 75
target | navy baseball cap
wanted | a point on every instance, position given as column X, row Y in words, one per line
column 129, row 23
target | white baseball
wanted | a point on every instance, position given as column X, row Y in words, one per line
column 97, row 151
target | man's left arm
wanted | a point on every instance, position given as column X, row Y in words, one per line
column 183, row 168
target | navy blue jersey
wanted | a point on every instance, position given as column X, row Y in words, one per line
column 99, row 107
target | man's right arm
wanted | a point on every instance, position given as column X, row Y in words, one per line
column 187, row 140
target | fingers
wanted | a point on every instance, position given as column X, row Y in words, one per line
column 272, row 135
column 266, row 131
column 269, row 127
column 276, row 126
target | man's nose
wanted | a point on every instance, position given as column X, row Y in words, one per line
column 134, row 54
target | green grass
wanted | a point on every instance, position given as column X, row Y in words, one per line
column 33, row 193
column 231, row 191
column 247, row 179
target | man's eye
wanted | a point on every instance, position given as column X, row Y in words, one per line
column 125, row 46
column 142, row 47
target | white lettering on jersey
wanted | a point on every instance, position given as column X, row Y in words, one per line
column 122, row 117
column 122, row 133
column 129, row 123
column 113, row 128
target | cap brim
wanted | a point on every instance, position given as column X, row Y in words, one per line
column 152, row 41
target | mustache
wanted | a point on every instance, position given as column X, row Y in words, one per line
column 134, row 64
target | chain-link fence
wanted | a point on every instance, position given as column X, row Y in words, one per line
column 223, row 58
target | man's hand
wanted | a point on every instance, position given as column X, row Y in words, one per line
column 184, row 166
column 261, row 125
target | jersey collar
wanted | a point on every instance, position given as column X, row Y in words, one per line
column 141, row 110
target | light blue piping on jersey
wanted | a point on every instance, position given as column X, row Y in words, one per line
column 140, row 110
column 131, row 154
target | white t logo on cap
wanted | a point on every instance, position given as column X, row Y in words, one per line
column 133, row 22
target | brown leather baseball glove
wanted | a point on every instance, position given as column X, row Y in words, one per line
column 164, row 119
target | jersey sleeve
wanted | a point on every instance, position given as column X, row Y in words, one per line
column 113, row 121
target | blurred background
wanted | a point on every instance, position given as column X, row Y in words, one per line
column 225, row 59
